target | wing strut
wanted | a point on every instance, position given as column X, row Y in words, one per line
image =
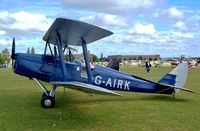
column 61, row 56
column 87, row 63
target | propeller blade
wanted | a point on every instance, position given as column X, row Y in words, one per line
column 13, row 49
column 13, row 52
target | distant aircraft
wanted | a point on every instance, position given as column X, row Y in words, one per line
column 174, row 63
column 191, row 63
column 53, row 68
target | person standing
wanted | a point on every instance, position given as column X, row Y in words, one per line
column 148, row 66
column 113, row 64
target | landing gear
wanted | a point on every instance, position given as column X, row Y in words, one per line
column 44, row 94
column 174, row 94
column 48, row 102
column 48, row 97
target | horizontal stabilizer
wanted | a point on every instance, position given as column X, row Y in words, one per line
column 176, row 88
column 184, row 89
column 87, row 88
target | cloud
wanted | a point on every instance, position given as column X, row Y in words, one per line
column 144, row 40
column 175, row 13
column 139, row 28
column 27, row 21
column 5, row 19
column 166, row 15
column 23, row 23
column 105, row 20
column 180, row 25
column 4, row 42
column 162, row 39
column 2, row 32
column 89, row 4
column 182, row 35
column 109, row 6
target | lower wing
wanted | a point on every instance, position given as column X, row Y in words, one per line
column 87, row 88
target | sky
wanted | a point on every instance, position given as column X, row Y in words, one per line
column 141, row 27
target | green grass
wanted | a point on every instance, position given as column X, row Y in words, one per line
column 20, row 107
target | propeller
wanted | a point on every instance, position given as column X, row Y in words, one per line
column 13, row 52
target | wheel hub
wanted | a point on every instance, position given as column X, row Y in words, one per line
column 47, row 102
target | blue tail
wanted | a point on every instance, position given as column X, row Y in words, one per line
column 169, row 79
column 176, row 79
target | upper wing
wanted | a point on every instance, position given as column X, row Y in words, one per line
column 88, row 88
column 71, row 32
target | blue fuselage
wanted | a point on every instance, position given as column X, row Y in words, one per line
column 47, row 68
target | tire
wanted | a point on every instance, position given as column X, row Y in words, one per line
column 48, row 102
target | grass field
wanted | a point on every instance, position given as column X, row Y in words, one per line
column 20, row 107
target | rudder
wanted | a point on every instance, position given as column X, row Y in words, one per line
column 177, row 77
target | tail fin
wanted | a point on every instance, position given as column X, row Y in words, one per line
column 176, row 78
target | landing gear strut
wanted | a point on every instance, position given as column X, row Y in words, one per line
column 48, row 97
column 174, row 94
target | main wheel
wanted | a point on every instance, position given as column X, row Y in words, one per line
column 48, row 102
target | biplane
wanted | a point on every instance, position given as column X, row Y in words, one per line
column 54, row 69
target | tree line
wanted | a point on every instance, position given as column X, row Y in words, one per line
column 5, row 55
column 30, row 51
